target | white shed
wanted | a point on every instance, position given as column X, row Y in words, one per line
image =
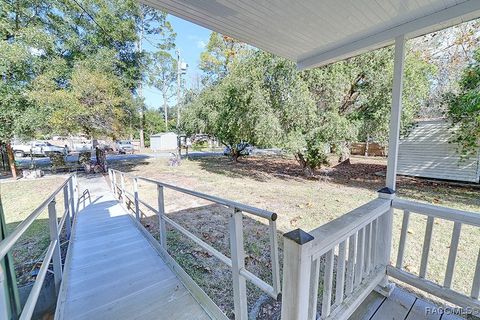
column 427, row 152
column 163, row 141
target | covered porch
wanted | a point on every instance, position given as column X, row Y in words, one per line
column 330, row 272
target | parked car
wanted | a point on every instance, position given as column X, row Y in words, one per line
column 124, row 146
column 246, row 149
column 38, row 148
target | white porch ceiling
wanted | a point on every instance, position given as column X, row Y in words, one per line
column 318, row 32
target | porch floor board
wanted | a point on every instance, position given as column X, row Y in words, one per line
column 401, row 305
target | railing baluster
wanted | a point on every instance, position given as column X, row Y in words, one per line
column 374, row 243
column 403, row 239
column 327, row 285
column 368, row 247
column 135, row 196
column 274, row 256
column 238, row 263
column 360, row 257
column 110, row 177
column 314, row 280
column 67, row 211
column 57, row 259
column 122, row 184
column 452, row 255
column 476, row 280
column 161, row 211
column 340, row 281
column 426, row 247
column 4, row 302
column 114, row 175
column 72, row 199
column 352, row 252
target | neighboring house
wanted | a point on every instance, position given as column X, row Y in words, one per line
column 427, row 152
column 164, row 141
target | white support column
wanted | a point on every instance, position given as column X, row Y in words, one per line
column 396, row 112
column 384, row 239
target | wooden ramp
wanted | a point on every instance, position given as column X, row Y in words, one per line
column 112, row 271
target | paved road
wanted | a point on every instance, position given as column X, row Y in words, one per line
column 111, row 158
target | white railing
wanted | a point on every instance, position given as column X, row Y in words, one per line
column 443, row 290
column 357, row 241
column 237, row 259
column 70, row 193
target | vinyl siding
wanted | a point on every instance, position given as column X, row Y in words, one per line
column 427, row 152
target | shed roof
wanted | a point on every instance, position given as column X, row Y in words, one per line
column 318, row 32
column 161, row 134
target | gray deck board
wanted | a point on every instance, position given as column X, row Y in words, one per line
column 401, row 305
column 113, row 272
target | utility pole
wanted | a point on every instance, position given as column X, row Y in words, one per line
column 179, row 75
column 181, row 69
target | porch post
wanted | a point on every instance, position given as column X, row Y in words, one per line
column 386, row 221
column 396, row 112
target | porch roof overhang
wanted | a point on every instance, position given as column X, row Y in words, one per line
column 314, row 33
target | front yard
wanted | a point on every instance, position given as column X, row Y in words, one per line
column 276, row 184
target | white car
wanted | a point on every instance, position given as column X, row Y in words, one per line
column 124, row 146
column 38, row 148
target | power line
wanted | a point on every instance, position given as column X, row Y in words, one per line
column 93, row 19
column 103, row 30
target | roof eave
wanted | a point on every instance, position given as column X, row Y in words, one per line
column 442, row 19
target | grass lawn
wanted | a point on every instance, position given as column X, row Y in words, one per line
column 276, row 184
column 19, row 199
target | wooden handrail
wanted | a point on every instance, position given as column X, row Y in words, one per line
column 333, row 232
column 243, row 207
column 465, row 217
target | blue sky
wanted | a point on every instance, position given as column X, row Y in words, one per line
column 191, row 40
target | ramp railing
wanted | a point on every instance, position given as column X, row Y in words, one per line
column 53, row 255
column 236, row 261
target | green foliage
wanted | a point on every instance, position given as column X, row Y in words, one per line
column 360, row 90
column 464, row 109
column 219, row 56
column 154, row 123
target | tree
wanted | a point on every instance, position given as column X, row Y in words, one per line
column 24, row 46
column 464, row 109
column 219, row 56
column 359, row 89
column 151, row 22
column 450, row 51
column 154, row 123
column 162, row 74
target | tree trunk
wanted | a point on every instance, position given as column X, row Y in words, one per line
column 307, row 170
column 366, row 145
column 11, row 160
column 165, row 111
column 344, row 151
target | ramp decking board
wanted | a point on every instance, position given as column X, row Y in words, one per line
column 113, row 272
